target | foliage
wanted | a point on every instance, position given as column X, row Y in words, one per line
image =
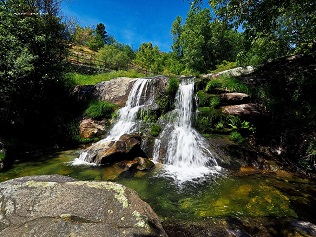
column 84, row 79
column 215, row 101
column 225, row 65
column 148, row 116
column 2, row 156
column 201, row 43
column 176, row 31
column 33, row 50
column 99, row 109
column 286, row 21
column 155, row 129
column 236, row 137
column 149, row 58
column 114, row 57
column 231, row 83
column 173, row 86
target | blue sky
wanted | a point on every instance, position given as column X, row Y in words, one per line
column 130, row 21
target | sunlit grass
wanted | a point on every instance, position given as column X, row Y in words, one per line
column 84, row 79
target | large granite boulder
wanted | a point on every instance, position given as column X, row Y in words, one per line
column 89, row 128
column 115, row 91
column 128, row 147
column 56, row 205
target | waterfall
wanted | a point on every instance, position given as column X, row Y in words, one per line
column 140, row 95
column 186, row 156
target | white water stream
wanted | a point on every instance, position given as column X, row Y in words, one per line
column 186, row 157
column 139, row 96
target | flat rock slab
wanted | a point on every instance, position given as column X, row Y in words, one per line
column 241, row 110
column 55, row 205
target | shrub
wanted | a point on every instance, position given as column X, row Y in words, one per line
column 155, row 129
column 99, row 109
column 225, row 65
column 236, row 137
column 214, row 102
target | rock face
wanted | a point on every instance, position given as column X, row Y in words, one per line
column 128, row 147
column 241, row 110
column 60, row 206
column 234, row 98
column 90, row 128
column 115, row 91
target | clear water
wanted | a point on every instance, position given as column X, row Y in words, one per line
column 237, row 195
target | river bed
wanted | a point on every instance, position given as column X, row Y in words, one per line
column 243, row 194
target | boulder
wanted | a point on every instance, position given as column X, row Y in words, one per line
column 241, row 110
column 89, row 128
column 138, row 163
column 55, row 205
column 128, row 147
column 234, row 98
column 115, row 91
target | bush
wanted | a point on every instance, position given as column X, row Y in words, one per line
column 214, row 102
column 236, row 137
column 155, row 129
column 225, row 65
column 228, row 82
column 99, row 109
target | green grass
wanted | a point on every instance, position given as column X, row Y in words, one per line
column 99, row 109
column 228, row 82
column 83, row 79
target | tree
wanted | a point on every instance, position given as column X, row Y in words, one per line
column 289, row 21
column 195, row 39
column 114, row 57
column 149, row 58
column 100, row 31
column 33, row 46
column 176, row 31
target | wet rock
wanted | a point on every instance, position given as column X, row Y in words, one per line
column 234, row 98
column 304, row 228
column 128, row 147
column 139, row 163
column 60, row 206
column 90, row 128
column 241, row 110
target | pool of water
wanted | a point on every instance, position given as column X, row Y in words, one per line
column 243, row 194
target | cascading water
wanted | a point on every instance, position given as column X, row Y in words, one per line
column 186, row 156
column 140, row 95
